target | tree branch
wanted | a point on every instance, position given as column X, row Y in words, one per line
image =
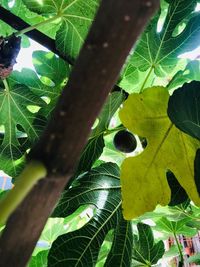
column 18, row 24
column 116, row 28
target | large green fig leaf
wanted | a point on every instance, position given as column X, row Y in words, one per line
column 76, row 17
column 178, row 227
column 17, row 124
column 24, row 113
column 91, row 187
column 95, row 145
column 143, row 177
column 145, row 251
column 157, row 51
column 121, row 250
column 19, row 9
column 101, row 188
column 48, row 66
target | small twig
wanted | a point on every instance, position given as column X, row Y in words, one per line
column 179, row 249
column 18, row 24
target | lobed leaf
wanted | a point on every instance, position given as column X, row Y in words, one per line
column 17, row 124
column 92, row 187
column 101, row 188
column 157, row 52
column 175, row 227
column 76, row 17
column 143, row 178
column 121, row 250
column 24, row 113
column 145, row 251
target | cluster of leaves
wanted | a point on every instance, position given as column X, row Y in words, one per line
column 166, row 172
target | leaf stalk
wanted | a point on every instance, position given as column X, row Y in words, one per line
column 38, row 25
column 33, row 172
column 6, row 85
column 146, row 79
column 179, row 249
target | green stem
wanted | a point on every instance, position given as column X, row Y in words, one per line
column 146, row 79
column 119, row 128
column 179, row 249
column 30, row 28
column 33, row 172
column 7, row 88
column 107, row 132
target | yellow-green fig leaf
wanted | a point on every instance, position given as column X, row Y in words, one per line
column 143, row 177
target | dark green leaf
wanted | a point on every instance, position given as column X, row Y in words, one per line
column 145, row 250
column 178, row 194
column 105, row 248
column 184, row 108
column 93, row 187
column 95, row 145
column 112, row 104
column 101, row 188
column 91, row 153
column 121, row 251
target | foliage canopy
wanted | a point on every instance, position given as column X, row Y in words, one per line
column 92, row 223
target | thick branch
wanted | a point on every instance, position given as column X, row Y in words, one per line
column 116, row 28
column 18, row 24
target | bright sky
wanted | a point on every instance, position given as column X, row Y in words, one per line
column 24, row 59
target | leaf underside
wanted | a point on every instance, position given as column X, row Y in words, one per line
column 76, row 18
column 157, row 52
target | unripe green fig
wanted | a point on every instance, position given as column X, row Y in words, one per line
column 125, row 141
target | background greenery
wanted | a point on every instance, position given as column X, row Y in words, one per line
column 87, row 227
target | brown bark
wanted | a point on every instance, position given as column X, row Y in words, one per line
column 116, row 28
